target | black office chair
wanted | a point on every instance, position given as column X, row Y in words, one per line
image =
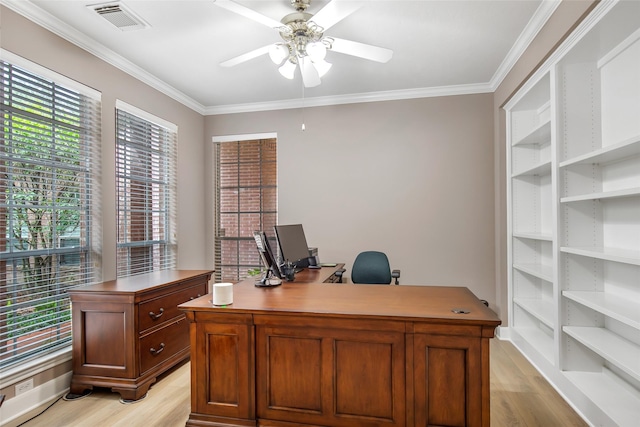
column 371, row 267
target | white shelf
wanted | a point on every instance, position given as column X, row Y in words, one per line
column 544, row 168
column 573, row 163
column 606, row 392
column 540, row 309
column 624, row 310
column 540, row 271
column 608, row 254
column 538, row 340
column 608, row 154
column 539, row 135
column 534, row 235
column 617, row 350
column 628, row 192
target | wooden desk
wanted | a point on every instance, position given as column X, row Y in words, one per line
column 340, row 355
column 128, row 331
column 317, row 275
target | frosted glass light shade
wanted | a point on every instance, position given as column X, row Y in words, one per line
column 321, row 67
column 288, row 69
column 317, row 51
column 278, row 52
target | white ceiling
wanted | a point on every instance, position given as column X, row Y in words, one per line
column 440, row 48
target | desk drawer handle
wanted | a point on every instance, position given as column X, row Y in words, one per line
column 156, row 316
column 192, row 298
column 158, row 351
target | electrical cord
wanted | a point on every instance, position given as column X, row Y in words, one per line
column 63, row 397
column 42, row 412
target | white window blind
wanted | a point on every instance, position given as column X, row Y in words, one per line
column 146, row 160
column 49, row 195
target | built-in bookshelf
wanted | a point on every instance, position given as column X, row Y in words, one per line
column 574, row 216
column 531, row 240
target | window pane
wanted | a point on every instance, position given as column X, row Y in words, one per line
column 228, row 225
column 146, row 186
column 249, row 223
column 50, row 142
column 246, row 202
column 228, row 200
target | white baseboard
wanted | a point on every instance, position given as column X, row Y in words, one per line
column 503, row 333
column 20, row 408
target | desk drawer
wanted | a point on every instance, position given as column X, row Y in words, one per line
column 164, row 308
column 162, row 344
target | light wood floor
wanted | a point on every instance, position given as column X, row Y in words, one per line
column 520, row 396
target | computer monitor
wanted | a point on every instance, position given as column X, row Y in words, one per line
column 293, row 244
column 266, row 254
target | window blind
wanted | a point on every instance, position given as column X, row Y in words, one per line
column 146, row 160
column 49, row 196
column 246, row 201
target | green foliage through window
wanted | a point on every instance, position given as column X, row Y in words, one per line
column 49, row 145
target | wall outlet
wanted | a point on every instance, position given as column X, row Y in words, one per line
column 24, row 386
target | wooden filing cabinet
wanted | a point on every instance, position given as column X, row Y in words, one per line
column 128, row 331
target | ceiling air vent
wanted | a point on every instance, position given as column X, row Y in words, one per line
column 119, row 16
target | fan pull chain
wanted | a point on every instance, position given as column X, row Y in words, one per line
column 302, row 112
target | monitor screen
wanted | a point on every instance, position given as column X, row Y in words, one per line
column 293, row 244
column 266, row 254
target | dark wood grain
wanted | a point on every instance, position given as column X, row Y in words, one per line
column 117, row 344
column 324, row 354
column 348, row 300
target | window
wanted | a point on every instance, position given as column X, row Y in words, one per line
column 146, row 157
column 49, row 174
column 246, row 195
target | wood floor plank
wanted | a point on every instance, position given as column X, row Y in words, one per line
column 520, row 397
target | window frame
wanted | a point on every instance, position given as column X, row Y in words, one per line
column 249, row 251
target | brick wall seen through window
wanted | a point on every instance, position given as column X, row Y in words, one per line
column 246, row 195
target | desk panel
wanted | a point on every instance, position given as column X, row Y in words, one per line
column 344, row 355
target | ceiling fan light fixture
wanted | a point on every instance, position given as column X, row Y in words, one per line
column 317, row 51
column 278, row 52
column 288, row 69
column 321, row 66
column 303, row 42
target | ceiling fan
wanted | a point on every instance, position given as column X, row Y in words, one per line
column 304, row 43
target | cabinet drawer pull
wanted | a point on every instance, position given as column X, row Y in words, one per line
column 192, row 298
column 156, row 316
column 158, row 351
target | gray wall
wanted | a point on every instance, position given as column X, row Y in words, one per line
column 411, row 178
column 38, row 45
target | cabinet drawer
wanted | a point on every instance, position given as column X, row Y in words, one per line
column 162, row 344
column 164, row 308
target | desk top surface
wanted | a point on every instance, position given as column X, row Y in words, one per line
column 141, row 282
column 403, row 302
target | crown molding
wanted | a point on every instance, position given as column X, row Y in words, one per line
column 56, row 26
column 355, row 98
column 533, row 27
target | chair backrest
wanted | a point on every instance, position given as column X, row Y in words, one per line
column 371, row 267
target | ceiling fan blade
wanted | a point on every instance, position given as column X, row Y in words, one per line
column 247, row 13
column 310, row 75
column 246, row 56
column 334, row 12
column 366, row 51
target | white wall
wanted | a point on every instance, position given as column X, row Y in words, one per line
column 411, row 178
